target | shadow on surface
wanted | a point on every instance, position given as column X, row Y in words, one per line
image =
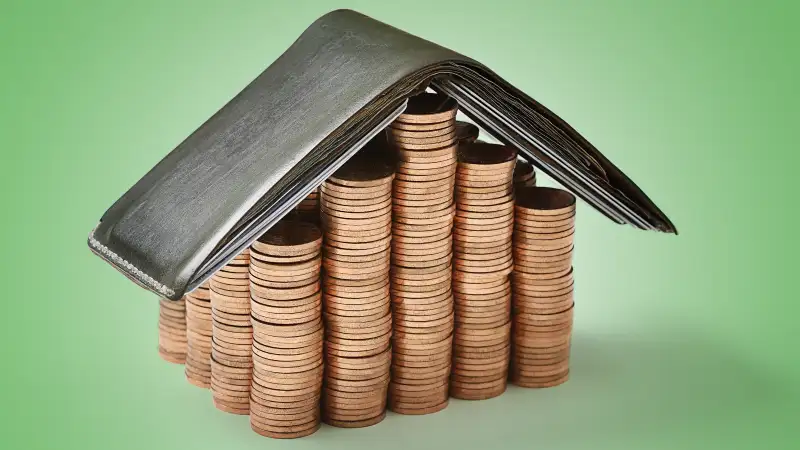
column 668, row 394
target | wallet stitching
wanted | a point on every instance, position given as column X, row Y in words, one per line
column 133, row 270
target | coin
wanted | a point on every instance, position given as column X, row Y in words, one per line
column 289, row 238
column 524, row 174
column 427, row 108
column 466, row 133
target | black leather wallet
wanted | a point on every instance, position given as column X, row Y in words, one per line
column 338, row 86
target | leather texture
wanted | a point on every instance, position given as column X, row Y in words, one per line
column 344, row 79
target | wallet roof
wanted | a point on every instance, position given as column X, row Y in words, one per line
column 344, row 79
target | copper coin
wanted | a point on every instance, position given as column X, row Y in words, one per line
column 401, row 133
column 401, row 198
column 545, row 201
column 289, row 238
column 555, row 227
column 290, row 434
column 424, row 187
column 526, row 217
column 363, row 171
column 400, row 241
column 427, row 108
column 335, row 205
column 373, row 200
column 524, row 247
column 419, row 274
column 374, row 187
column 411, row 410
column 356, row 215
column 355, row 295
column 403, row 231
column 408, row 126
column 426, row 175
column 409, row 140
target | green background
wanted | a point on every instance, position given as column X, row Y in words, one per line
column 680, row 342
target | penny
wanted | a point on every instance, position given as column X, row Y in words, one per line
column 427, row 108
column 373, row 200
column 290, row 434
column 375, row 214
column 528, row 218
column 363, row 171
column 338, row 191
column 549, row 229
column 403, row 138
column 545, row 201
column 523, row 246
column 289, row 238
column 396, row 133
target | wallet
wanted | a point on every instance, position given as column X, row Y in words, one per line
column 338, row 86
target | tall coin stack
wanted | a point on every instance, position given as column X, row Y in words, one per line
column 198, row 337
column 524, row 175
column 543, row 286
column 172, row 330
column 231, row 363
column 483, row 261
column 425, row 140
column 287, row 330
column 356, row 213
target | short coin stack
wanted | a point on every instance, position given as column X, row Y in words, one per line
column 543, row 286
column 231, row 363
column 172, row 330
column 287, row 330
column 524, row 175
column 483, row 260
column 356, row 213
column 425, row 140
column 308, row 209
column 198, row 337
column 466, row 133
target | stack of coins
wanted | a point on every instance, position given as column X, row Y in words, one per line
column 356, row 213
column 466, row 133
column 543, row 286
column 308, row 209
column 287, row 330
column 172, row 330
column 524, row 175
column 198, row 337
column 425, row 140
column 231, row 363
column 482, row 263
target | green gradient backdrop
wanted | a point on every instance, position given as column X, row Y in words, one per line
column 680, row 342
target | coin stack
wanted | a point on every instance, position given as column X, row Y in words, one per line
column 466, row 133
column 425, row 140
column 308, row 209
column 483, row 260
column 172, row 330
column 231, row 363
column 356, row 213
column 542, row 286
column 524, row 175
column 198, row 337
column 287, row 330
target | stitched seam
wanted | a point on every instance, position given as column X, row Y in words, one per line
column 130, row 268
